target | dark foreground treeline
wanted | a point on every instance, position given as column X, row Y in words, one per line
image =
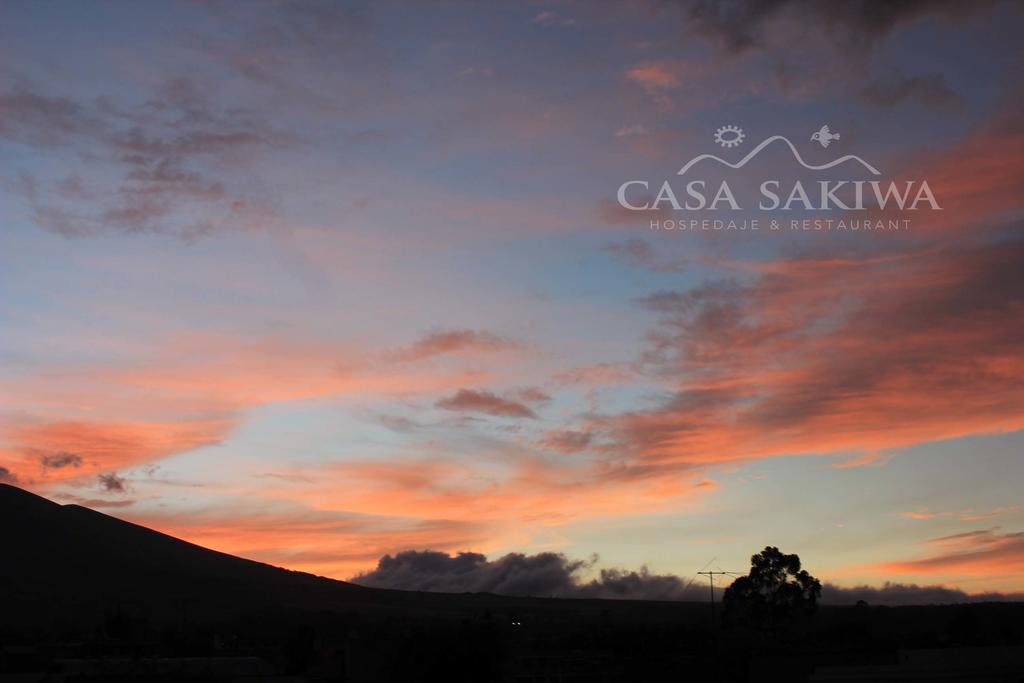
column 87, row 597
column 523, row 640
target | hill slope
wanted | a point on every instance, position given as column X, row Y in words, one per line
column 67, row 559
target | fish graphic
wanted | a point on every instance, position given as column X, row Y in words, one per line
column 825, row 136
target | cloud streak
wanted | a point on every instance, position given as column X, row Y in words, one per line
column 972, row 553
column 472, row 401
column 454, row 342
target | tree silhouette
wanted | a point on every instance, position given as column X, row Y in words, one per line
column 776, row 592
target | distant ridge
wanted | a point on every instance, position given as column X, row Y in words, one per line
column 754, row 152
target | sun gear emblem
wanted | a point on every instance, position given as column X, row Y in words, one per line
column 729, row 136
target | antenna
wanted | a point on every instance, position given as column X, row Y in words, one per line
column 690, row 582
column 711, row 583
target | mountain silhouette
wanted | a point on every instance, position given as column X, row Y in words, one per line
column 67, row 559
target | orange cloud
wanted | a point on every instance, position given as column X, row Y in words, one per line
column 327, row 542
column 977, row 180
column 921, row 514
column 836, row 356
column 653, row 76
column 978, row 515
column 509, row 492
column 233, row 372
column 189, row 391
column 969, row 515
column 100, row 445
column 981, row 552
column 336, row 519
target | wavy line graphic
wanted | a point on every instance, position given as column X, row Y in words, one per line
column 754, row 152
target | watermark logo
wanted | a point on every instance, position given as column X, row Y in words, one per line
column 729, row 136
column 864, row 191
column 824, row 136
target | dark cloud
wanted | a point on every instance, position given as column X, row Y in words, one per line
column 908, row 594
column 112, row 483
column 467, row 400
column 56, row 461
column 555, row 575
column 171, row 163
column 740, row 25
column 842, row 36
column 7, row 476
column 542, row 575
column 621, row 584
column 453, row 341
column 566, row 440
column 894, row 89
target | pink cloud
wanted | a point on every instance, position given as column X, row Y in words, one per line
column 101, row 445
column 470, row 401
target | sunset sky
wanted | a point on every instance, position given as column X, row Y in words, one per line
column 313, row 283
